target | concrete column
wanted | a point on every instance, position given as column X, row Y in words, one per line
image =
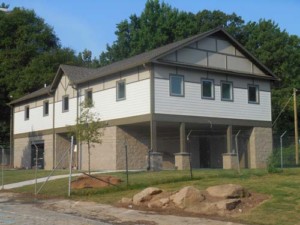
column 182, row 138
column 182, row 159
column 229, row 139
column 153, row 136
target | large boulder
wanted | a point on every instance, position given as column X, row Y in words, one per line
column 187, row 196
column 145, row 195
column 227, row 191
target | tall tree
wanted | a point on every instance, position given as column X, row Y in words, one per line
column 29, row 57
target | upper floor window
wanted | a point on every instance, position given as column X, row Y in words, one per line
column 226, row 91
column 121, row 90
column 208, row 89
column 88, row 98
column 46, row 108
column 26, row 112
column 176, row 85
column 65, row 103
column 253, row 93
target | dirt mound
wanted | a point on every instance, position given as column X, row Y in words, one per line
column 94, row 181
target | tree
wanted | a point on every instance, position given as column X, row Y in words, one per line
column 160, row 24
column 88, row 128
column 29, row 57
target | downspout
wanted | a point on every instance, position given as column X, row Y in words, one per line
column 53, row 133
column 11, row 136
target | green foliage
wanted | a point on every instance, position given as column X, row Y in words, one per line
column 88, row 128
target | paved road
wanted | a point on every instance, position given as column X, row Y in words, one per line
column 16, row 209
column 16, row 213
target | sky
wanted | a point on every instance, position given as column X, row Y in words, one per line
column 91, row 24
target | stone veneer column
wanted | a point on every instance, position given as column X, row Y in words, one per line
column 182, row 159
column 260, row 146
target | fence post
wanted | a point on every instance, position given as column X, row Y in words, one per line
column 281, row 158
column 2, row 173
column 126, row 159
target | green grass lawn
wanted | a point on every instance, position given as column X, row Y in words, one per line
column 283, row 208
column 14, row 176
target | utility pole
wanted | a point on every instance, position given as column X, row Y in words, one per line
column 296, row 126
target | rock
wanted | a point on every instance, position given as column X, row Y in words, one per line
column 228, row 204
column 227, row 191
column 126, row 201
column 164, row 201
column 145, row 195
column 187, row 196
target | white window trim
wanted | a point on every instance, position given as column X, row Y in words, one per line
column 170, row 86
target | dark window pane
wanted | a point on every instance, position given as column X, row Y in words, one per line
column 89, row 98
column 207, row 89
column 226, row 91
column 121, row 90
column 27, row 113
column 176, row 85
column 252, row 93
column 46, row 108
column 66, row 103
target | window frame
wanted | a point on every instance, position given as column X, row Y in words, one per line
column 212, row 87
column 231, row 90
column 63, row 103
column 118, row 91
column 256, row 93
column 182, row 86
column 44, row 108
column 27, row 112
column 88, row 100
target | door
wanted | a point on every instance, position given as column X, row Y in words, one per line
column 37, row 155
column 204, row 149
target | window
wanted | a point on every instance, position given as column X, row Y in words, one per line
column 46, row 108
column 226, row 91
column 253, row 96
column 121, row 90
column 208, row 89
column 65, row 103
column 176, row 85
column 89, row 98
column 26, row 112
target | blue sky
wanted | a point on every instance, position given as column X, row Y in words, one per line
column 91, row 23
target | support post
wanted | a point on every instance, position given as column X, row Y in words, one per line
column 153, row 136
column 182, row 138
column 296, row 126
column 229, row 139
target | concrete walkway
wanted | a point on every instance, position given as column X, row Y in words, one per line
column 43, row 179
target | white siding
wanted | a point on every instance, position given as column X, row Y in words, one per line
column 36, row 120
column 192, row 104
column 63, row 119
column 137, row 101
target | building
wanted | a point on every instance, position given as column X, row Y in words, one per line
column 191, row 96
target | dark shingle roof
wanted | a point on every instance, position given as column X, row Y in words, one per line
column 38, row 93
column 79, row 75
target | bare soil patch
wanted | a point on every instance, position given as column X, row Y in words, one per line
column 94, row 181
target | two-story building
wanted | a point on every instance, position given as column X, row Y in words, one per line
column 189, row 97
